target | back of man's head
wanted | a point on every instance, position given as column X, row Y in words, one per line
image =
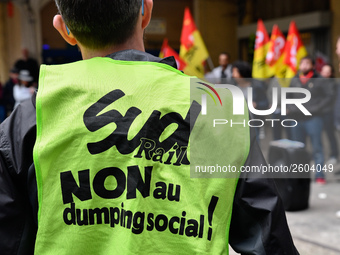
column 101, row 23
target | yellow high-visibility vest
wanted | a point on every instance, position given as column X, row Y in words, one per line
column 112, row 158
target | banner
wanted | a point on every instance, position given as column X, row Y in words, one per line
column 192, row 49
column 260, row 68
column 294, row 51
column 167, row 51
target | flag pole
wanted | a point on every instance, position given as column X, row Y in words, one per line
column 210, row 63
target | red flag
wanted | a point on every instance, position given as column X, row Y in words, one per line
column 262, row 37
column 294, row 50
column 260, row 68
column 276, row 46
column 189, row 27
column 192, row 50
column 167, row 51
column 275, row 55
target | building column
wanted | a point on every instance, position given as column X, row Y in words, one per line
column 3, row 52
column 28, row 29
column 217, row 22
column 335, row 33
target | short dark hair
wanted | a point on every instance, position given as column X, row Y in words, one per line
column 243, row 68
column 101, row 23
column 308, row 58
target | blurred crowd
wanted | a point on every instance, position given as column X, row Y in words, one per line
column 20, row 85
column 325, row 99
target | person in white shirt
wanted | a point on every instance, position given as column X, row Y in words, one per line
column 222, row 73
column 24, row 89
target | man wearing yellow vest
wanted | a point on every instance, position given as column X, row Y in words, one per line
column 100, row 160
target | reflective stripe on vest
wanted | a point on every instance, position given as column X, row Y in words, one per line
column 112, row 161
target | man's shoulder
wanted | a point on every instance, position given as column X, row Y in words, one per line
column 17, row 138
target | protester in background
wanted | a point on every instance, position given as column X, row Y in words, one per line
column 9, row 100
column 24, row 89
column 30, row 64
column 337, row 50
column 337, row 100
column 312, row 125
column 222, row 73
column 327, row 72
column 241, row 74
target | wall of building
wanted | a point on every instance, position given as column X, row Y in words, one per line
column 14, row 40
column 3, row 55
column 335, row 33
column 10, row 41
column 217, row 22
column 49, row 35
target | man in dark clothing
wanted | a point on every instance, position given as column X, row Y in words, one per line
column 311, row 125
column 258, row 224
column 8, row 98
column 28, row 63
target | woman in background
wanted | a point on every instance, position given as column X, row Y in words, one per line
column 327, row 72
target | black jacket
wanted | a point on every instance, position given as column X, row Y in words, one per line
column 258, row 223
column 322, row 97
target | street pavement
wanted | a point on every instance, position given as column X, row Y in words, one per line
column 318, row 227
column 315, row 230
